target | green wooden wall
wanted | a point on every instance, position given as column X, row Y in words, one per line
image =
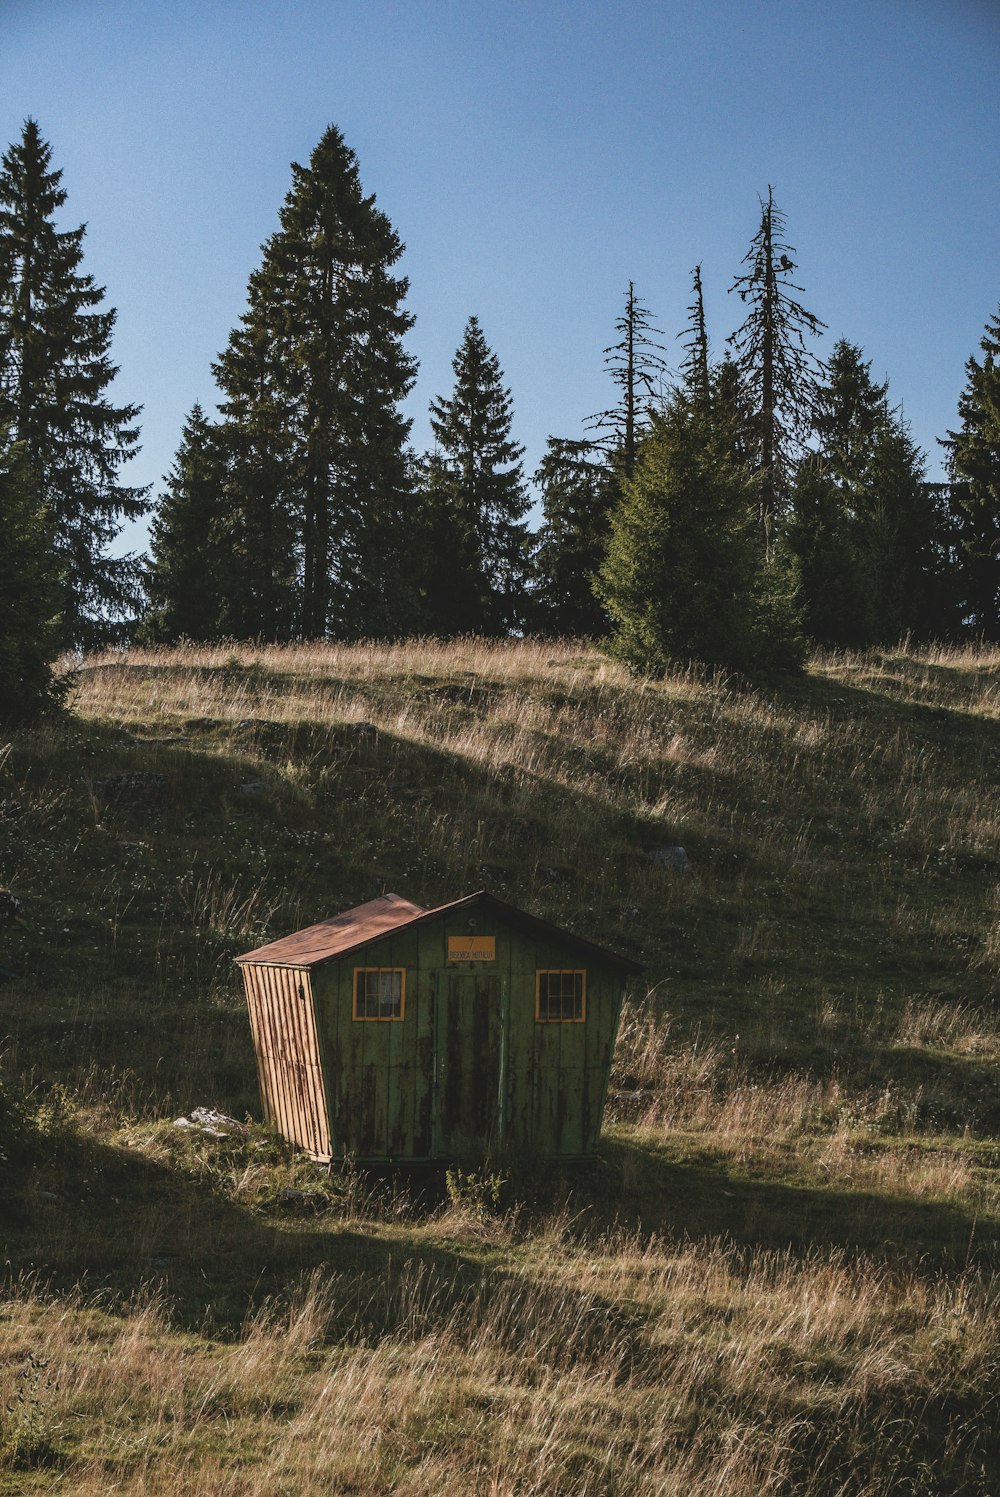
column 468, row 1071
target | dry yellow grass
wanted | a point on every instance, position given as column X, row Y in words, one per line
column 632, row 1365
column 558, row 720
column 802, row 1107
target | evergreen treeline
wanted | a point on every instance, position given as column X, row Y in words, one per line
column 729, row 512
column 768, row 499
column 62, row 440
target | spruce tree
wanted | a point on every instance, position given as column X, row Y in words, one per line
column 578, row 493
column 582, row 481
column 696, row 365
column 637, row 367
column 312, row 381
column 191, row 545
column 775, row 366
column 259, row 513
column 732, row 410
column 29, row 638
column 974, row 466
column 831, row 566
column 683, row 579
column 913, row 570
column 836, row 527
column 55, row 371
column 477, row 499
column 865, row 529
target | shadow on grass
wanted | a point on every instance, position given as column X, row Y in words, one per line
column 640, row 1186
column 133, row 1224
column 116, row 1227
column 112, row 1220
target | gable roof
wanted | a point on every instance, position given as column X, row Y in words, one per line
column 381, row 917
column 335, row 937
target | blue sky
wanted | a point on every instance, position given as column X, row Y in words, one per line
column 534, row 155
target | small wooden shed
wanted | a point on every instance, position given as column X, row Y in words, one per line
column 473, row 1030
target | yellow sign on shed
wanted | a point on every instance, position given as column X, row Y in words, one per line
column 472, row 948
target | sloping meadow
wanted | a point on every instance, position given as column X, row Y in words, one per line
column 779, row 1275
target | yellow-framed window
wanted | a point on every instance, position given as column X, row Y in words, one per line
column 379, row 993
column 560, row 995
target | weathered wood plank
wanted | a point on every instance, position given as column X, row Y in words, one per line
column 288, row 1063
column 337, row 1084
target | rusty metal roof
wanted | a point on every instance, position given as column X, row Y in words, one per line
column 330, row 938
column 380, row 917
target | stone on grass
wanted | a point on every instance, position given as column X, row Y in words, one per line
column 208, row 1121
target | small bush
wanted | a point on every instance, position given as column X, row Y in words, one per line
column 479, row 1192
column 25, row 1425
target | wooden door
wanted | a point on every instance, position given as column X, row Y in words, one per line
column 470, row 1066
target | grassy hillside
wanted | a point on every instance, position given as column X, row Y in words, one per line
column 779, row 1277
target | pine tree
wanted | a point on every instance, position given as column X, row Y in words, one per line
column 865, row 528
column 476, row 495
column 55, row 371
column 637, row 367
column 578, row 493
column 450, row 556
column 684, row 579
column 312, row 381
column 718, row 387
column 582, row 481
column 849, row 415
column 732, row 411
column 696, row 364
column 832, row 577
column 191, row 551
column 909, row 551
column 944, row 611
column 834, row 529
column 29, row 637
column 259, row 513
column 774, row 364
column 974, row 465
